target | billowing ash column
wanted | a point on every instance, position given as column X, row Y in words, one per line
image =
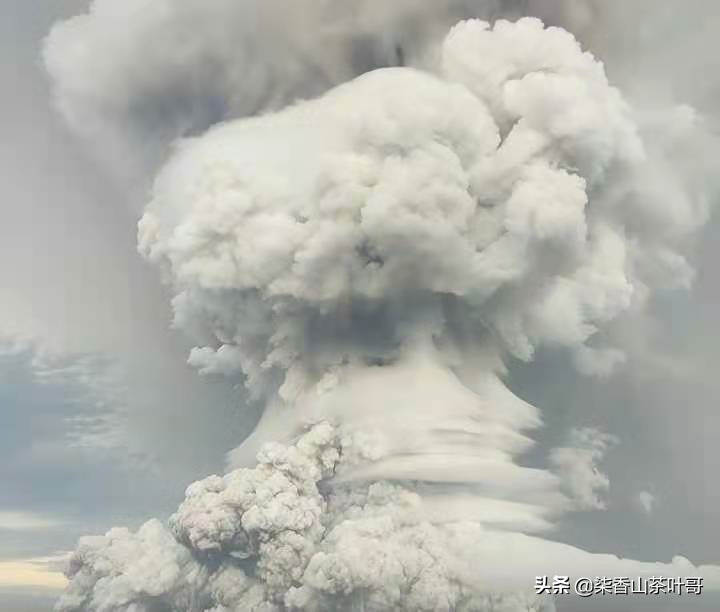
column 363, row 262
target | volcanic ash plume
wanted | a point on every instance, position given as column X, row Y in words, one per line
column 364, row 261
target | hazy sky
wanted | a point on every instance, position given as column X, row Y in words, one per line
column 82, row 317
column 103, row 423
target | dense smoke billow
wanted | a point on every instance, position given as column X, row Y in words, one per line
column 391, row 204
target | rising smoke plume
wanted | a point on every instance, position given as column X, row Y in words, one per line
column 364, row 261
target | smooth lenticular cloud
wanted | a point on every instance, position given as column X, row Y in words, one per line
column 364, row 262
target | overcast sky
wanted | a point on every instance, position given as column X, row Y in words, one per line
column 103, row 423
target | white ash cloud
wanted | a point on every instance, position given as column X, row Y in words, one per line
column 646, row 501
column 364, row 261
column 365, row 213
column 576, row 465
column 268, row 539
column 168, row 69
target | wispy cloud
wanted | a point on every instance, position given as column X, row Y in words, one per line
column 22, row 521
column 36, row 572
